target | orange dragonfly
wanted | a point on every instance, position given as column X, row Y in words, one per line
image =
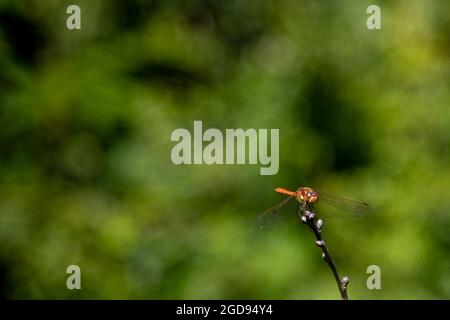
column 336, row 207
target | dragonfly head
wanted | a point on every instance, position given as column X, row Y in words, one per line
column 307, row 195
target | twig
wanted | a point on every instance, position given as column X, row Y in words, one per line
column 308, row 217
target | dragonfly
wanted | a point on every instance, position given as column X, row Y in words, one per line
column 308, row 198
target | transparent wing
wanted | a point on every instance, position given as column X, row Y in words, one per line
column 333, row 206
column 268, row 217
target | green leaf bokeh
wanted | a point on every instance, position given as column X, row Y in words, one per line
column 86, row 176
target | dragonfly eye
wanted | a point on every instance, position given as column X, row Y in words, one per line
column 313, row 197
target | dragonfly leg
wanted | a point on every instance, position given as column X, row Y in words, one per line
column 305, row 213
column 304, row 206
column 301, row 210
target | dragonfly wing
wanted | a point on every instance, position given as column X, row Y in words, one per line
column 268, row 217
column 336, row 207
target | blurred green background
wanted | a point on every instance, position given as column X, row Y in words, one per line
column 86, row 176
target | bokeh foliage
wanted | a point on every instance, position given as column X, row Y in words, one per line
column 86, row 118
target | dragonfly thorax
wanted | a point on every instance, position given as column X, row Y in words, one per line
column 307, row 195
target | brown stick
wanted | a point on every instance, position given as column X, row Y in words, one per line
column 308, row 217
